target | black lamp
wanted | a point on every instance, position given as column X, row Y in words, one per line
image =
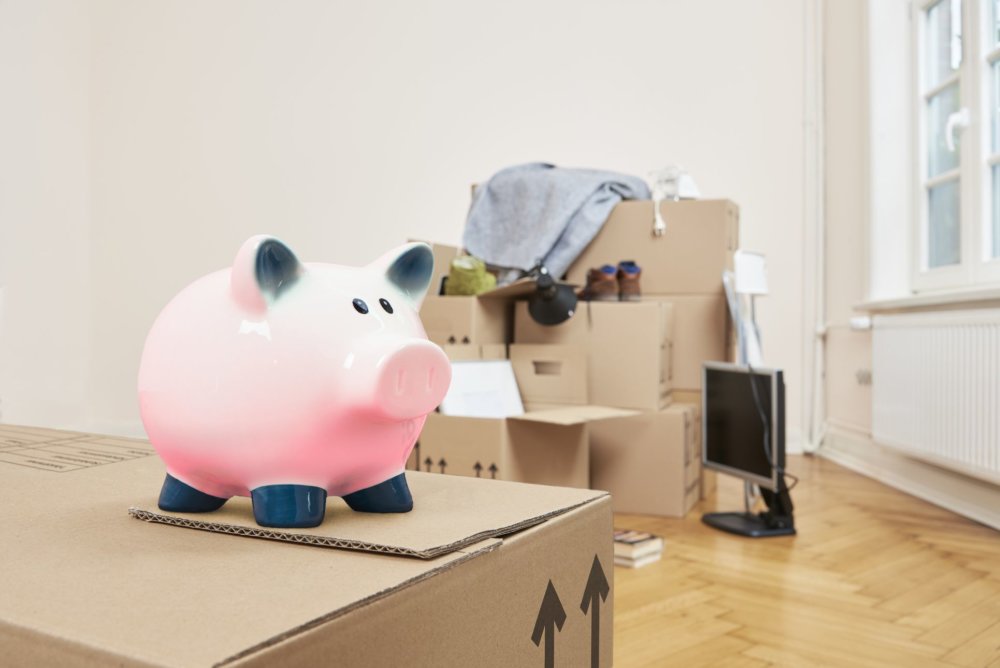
column 551, row 303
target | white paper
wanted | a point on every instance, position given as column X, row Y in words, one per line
column 484, row 389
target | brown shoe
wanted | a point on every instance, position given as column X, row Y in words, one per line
column 602, row 285
column 628, row 281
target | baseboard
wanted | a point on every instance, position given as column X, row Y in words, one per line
column 970, row 497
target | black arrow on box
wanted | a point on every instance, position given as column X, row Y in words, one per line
column 478, row 468
column 428, row 463
column 493, row 471
column 442, row 464
column 597, row 588
column 551, row 616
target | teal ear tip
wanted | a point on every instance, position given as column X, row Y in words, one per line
column 411, row 272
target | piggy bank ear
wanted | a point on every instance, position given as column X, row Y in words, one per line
column 263, row 269
column 409, row 268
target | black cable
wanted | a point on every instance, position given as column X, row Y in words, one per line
column 767, row 431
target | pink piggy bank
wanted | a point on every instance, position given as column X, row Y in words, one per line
column 287, row 381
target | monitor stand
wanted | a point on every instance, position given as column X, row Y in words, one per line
column 777, row 520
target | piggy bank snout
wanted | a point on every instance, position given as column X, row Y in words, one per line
column 412, row 380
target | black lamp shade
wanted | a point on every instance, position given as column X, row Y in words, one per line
column 551, row 304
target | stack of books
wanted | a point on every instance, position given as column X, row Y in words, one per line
column 635, row 549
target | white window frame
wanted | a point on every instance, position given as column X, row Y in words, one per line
column 976, row 268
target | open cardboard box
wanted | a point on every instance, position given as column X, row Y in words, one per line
column 548, row 444
column 628, row 348
column 484, row 573
column 463, row 320
column 689, row 258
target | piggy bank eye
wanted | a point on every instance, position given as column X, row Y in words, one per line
column 386, row 306
column 360, row 306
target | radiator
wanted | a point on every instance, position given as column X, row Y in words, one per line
column 936, row 388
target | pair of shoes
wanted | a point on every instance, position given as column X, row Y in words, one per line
column 612, row 284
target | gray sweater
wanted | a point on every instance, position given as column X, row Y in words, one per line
column 539, row 212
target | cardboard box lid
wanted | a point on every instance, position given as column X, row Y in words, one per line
column 77, row 570
column 571, row 415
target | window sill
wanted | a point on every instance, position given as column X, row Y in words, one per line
column 977, row 297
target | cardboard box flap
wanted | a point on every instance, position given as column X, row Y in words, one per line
column 438, row 524
column 570, row 415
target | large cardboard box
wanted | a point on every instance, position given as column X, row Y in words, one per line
column 701, row 332
column 688, row 258
column 628, row 344
column 480, row 573
column 650, row 462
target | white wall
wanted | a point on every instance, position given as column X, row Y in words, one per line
column 846, row 213
column 346, row 127
column 45, row 170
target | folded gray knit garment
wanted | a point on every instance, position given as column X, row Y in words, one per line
column 539, row 212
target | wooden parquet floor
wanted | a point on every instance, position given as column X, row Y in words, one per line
column 874, row 578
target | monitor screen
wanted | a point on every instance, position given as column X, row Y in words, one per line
column 733, row 429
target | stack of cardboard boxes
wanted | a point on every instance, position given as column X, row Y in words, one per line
column 613, row 395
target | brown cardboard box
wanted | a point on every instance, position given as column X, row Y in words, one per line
column 709, row 484
column 469, row 577
column 470, row 351
column 465, row 320
column 628, row 348
column 650, row 462
column 549, row 375
column 546, row 447
column 689, row 258
column 700, row 333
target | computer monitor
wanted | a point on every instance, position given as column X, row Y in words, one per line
column 743, row 428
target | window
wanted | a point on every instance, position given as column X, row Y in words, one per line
column 957, row 49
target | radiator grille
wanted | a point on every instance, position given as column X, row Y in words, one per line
column 936, row 388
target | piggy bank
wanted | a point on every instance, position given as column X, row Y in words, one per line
column 288, row 381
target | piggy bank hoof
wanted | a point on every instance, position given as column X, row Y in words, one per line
column 391, row 496
column 288, row 506
column 180, row 497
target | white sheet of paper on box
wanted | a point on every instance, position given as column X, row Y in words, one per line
column 484, row 389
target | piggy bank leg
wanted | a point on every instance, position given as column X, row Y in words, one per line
column 180, row 497
column 391, row 496
column 288, row 506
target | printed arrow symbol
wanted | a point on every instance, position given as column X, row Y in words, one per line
column 597, row 587
column 493, row 471
column 478, row 468
column 428, row 463
column 442, row 464
column 550, row 617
